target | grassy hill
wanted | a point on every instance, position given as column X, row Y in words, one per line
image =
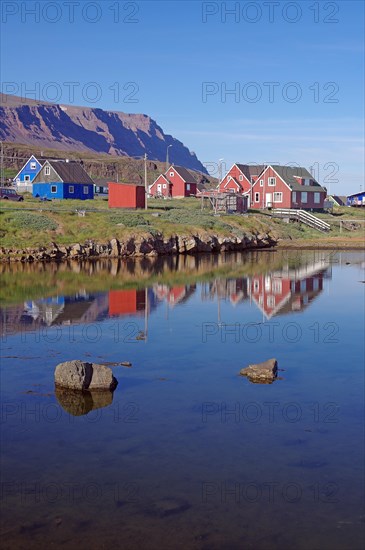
column 126, row 169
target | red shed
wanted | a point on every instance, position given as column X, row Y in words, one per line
column 126, row 195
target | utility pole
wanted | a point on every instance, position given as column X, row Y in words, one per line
column 2, row 165
column 220, row 175
column 145, row 181
column 167, row 157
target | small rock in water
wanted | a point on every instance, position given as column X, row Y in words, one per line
column 169, row 506
column 80, row 375
column 126, row 364
column 262, row 373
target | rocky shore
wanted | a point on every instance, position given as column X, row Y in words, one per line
column 138, row 246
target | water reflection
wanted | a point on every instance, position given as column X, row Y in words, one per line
column 288, row 290
column 275, row 292
column 79, row 403
column 185, row 446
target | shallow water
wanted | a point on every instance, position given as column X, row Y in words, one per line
column 186, row 453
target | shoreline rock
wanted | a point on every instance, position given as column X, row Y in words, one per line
column 140, row 246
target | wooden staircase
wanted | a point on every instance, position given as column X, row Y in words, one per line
column 301, row 216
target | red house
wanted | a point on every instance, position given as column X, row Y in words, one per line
column 239, row 178
column 176, row 182
column 287, row 187
column 126, row 195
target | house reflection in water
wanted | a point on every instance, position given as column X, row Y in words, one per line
column 234, row 290
column 173, row 295
column 288, row 290
column 275, row 293
column 127, row 302
column 67, row 310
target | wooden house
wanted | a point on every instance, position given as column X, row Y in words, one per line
column 337, row 200
column 357, row 199
column 176, row 182
column 240, row 178
column 287, row 187
column 63, row 179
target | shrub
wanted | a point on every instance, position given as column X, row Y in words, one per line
column 129, row 219
column 28, row 220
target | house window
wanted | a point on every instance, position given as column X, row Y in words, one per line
column 53, row 188
column 277, row 286
column 188, row 186
column 172, row 174
column 278, row 197
column 240, row 177
column 304, row 196
column 257, row 197
column 272, row 182
column 267, row 283
column 261, row 183
column 270, row 301
column 256, row 285
column 86, row 190
column 47, row 170
column 164, row 186
column 294, row 196
column 26, row 178
column 71, row 189
column 317, row 198
column 33, row 165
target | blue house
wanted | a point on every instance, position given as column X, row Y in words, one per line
column 357, row 199
column 29, row 171
column 63, row 179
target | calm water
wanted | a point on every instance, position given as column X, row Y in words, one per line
column 186, row 453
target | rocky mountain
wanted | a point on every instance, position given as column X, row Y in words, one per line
column 84, row 129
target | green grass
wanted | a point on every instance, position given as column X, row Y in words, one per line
column 33, row 223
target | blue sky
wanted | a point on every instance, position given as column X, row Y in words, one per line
column 296, row 69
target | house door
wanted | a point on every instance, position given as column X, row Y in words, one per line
column 268, row 200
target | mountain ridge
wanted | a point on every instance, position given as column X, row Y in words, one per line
column 89, row 129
